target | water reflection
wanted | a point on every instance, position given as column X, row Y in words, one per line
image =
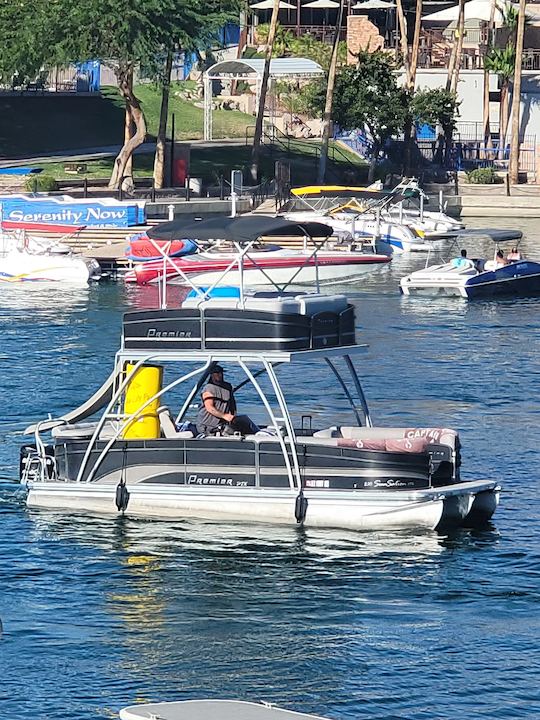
column 144, row 544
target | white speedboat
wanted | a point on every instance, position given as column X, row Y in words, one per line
column 137, row 458
column 262, row 265
column 361, row 214
column 211, row 710
column 478, row 277
column 26, row 258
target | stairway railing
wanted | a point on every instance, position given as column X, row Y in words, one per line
column 274, row 136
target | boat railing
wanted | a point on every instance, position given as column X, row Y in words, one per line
column 125, row 419
column 287, row 440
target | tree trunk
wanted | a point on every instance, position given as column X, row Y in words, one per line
column 489, row 43
column 403, row 44
column 485, row 111
column 503, row 118
column 159, row 158
column 262, row 94
column 128, row 132
column 123, row 74
column 373, row 162
column 459, row 47
column 327, row 117
column 516, row 96
column 409, row 131
column 415, row 46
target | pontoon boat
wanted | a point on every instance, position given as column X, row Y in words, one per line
column 139, row 458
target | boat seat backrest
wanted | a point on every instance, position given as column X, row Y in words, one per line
column 442, row 436
column 168, row 427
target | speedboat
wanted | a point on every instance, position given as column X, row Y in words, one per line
column 137, row 457
column 26, row 258
column 478, row 277
column 365, row 215
column 262, row 265
column 404, row 205
column 211, row 710
column 386, row 236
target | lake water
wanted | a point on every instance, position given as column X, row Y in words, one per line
column 99, row 613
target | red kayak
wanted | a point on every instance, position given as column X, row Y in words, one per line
column 142, row 249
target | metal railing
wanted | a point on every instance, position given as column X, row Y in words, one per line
column 289, row 145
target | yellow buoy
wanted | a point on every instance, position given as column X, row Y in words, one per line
column 144, row 384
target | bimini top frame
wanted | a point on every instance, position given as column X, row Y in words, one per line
column 280, row 419
column 243, row 232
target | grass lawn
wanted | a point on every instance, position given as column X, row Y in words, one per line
column 37, row 124
column 209, row 162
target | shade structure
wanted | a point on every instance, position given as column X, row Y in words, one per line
column 474, row 10
column 374, row 5
column 322, row 4
column 269, row 5
column 242, row 229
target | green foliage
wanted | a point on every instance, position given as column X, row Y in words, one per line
column 38, row 33
column 286, row 44
column 510, row 15
column 41, row 183
column 369, row 95
column 501, row 61
column 483, row 176
column 295, row 97
column 437, row 106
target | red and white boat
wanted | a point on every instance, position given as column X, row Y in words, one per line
column 260, row 265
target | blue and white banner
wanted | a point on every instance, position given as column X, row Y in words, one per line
column 68, row 211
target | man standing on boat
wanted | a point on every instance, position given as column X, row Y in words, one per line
column 218, row 404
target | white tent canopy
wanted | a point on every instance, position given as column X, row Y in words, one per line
column 269, row 5
column 253, row 68
column 374, row 5
column 474, row 10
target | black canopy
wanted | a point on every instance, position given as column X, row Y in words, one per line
column 495, row 234
column 242, row 229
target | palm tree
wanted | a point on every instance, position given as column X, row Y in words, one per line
column 327, row 117
column 489, row 43
column 516, row 97
column 454, row 65
column 404, row 48
column 262, row 92
column 161, row 140
column 415, row 46
column 501, row 61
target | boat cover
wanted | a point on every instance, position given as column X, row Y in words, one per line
column 243, row 229
column 496, row 234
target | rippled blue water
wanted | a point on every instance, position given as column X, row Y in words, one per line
column 98, row 613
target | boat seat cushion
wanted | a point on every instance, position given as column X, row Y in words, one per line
column 442, row 436
column 168, row 426
column 82, row 431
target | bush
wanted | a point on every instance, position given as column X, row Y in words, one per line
column 41, row 183
column 483, row 176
